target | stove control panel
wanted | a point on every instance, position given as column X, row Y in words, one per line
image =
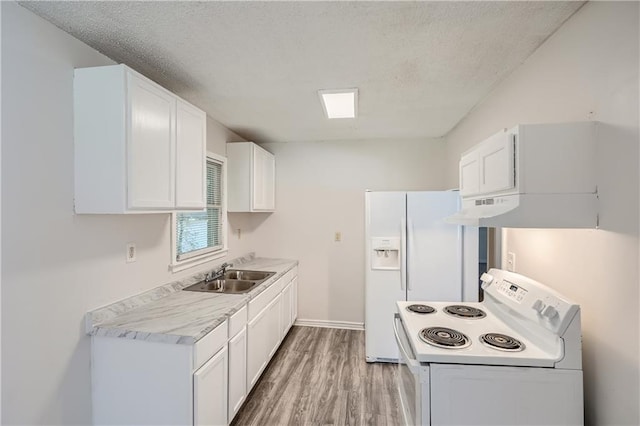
column 512, row 291
column 545, row 309
column 535, row 302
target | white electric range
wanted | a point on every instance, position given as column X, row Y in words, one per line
column 513, row 359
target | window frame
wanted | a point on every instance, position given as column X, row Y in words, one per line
column 208, row 254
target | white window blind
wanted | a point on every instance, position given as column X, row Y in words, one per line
column 201, row 232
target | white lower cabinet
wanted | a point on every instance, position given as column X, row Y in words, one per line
column 237, row 372
column 294, row 299
column 151, row 383
column 210, row 391
column 286, row 310
column 237, row 362
column 263, row 336
column 273, row 336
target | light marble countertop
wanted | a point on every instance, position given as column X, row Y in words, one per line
column 168, row 314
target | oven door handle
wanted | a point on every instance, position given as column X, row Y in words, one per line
column 411, row 361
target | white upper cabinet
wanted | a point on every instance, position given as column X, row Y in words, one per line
column 251, row 173
column 469, row 174
column 150, row 145
column 497, row 163
column 490, row 167
column 138, row 147
column 532, row 176
column 190, row 157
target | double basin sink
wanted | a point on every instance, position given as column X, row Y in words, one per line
column 232, row 282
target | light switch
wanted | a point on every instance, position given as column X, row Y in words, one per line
column 338, row 237
column 511, row 262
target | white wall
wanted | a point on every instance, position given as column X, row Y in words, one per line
column 587, row 70
column 57, row 265
column 320, row 191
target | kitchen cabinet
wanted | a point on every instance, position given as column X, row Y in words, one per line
column 263, row 337
column 210, row 391
column 490, row 168
column 469, row 174
column 191, row 137
column 250, row 177
column 237, row 362
column 271, row 315
column 138, row 148
column 149, row 383
column 286, row 309
column 532, row 176
column 294, row 299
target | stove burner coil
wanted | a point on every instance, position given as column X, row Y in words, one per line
column 421, row 309
column 502, row 342
column 443, row 337
column 463, row 311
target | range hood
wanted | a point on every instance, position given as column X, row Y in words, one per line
column 531, row 176
column 531, row 211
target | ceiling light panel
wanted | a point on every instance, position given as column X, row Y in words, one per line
column 342, row 103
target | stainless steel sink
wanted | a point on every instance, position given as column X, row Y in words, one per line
column 247, row 275
column 234, row 282
column 223, row 286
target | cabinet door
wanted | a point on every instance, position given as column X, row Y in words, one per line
column 257, row 346
column 497, row 163
column 210, row 391
column 469, row 174
column 237, row 372
column 285, row 318
column 269, row 181
column 263, row 196
column 190, row 156
column 294, row 300
column 263, row 337
column 150, row 145
column 258, row 179
column 274, row 334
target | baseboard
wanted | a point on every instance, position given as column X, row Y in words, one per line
column 330, row 324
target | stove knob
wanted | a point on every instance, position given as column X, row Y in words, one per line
column 486, row 280
column 550, row 312
column 538, row 305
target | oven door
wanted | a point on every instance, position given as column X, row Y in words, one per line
column 413, row 380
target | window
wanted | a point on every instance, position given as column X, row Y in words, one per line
column 201, row 236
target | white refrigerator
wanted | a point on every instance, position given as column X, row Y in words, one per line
column 413, row 254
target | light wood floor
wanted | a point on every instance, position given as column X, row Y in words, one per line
column 319, row 377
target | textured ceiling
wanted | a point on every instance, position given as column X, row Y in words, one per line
column 256, row 66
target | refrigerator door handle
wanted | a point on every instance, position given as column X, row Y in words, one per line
column 403, row 257
column 409, row 250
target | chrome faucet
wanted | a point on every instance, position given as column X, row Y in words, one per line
column 216, row 274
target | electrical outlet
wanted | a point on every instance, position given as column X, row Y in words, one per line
column 511, row 261
column 131, row 252
column 338, row 237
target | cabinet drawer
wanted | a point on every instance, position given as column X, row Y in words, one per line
column 237, row 321
column 211, row 343
column 286, row 279
column 259, row 303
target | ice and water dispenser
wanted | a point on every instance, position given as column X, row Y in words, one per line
column 386, row 253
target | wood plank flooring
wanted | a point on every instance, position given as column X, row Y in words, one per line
column 319, row 377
